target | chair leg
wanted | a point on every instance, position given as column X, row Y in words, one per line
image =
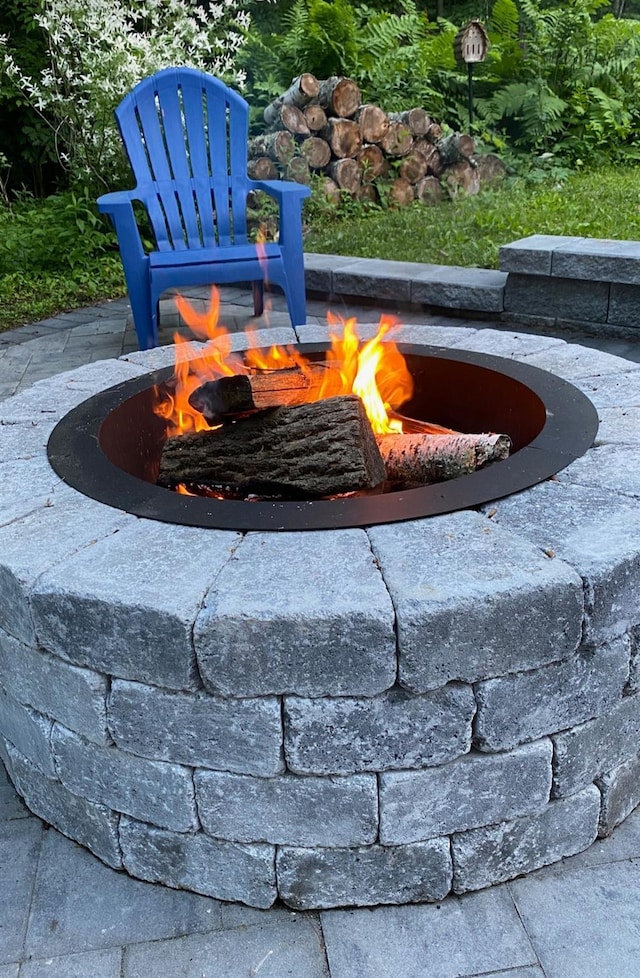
column 296, row 293
column 258, row 297
column 143, row 310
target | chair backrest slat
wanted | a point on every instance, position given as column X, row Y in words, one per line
column 186, row 137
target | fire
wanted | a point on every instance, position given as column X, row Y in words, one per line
column 376, row 370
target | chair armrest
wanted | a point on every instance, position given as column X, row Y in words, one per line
column 289, row 196
column 282, row 190
column 119, row 206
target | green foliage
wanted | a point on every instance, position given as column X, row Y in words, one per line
column 318, row 36
column 404, row 60
column 61, row 232
column 398, row 58
column 563, row 79
column 26, row 141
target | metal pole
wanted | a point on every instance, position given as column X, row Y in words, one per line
column 470, row 90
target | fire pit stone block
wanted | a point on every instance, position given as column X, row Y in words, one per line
column 76, row 696
column 474, row 601
column 390, row 731
column 204, row 731
column 319, row 878
column 195, row 861
column 500, row 852
column 597, row 531
column 152, row 791
column 528, row 705
column 592, row 749
column 298, row 613
column 288, row 810
column 132, row 618
column 28, row 731
column 93, row 826
column 464, row 794
column 58, row 530
column 620, row 790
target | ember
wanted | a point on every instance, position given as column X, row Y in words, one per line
column 280, row 425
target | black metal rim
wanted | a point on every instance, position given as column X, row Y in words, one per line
column 571, row 424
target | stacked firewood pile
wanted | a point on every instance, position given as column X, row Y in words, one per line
column 322, row 127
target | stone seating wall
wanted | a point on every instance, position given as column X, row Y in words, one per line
column 546, row 282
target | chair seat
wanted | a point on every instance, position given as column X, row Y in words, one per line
column 205, row 256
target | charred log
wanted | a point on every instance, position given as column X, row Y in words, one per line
column 217, row 400
column 318, row 449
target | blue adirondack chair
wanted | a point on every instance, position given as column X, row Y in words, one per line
column 185, row 134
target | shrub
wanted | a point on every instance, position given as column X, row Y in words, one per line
column 97, row 50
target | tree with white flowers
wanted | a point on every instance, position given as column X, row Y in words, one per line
column 97, row 50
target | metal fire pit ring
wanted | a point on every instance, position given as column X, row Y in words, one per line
column 108, row 448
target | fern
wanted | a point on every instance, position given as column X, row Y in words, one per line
column 504, row 21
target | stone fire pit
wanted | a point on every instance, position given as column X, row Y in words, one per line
column 341, row 717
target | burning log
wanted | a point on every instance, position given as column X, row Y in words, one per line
column 301, row 90
column 318, row 449
column 218, row 400
column 417, row 459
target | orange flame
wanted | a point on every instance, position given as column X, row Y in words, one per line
column 376, row 370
